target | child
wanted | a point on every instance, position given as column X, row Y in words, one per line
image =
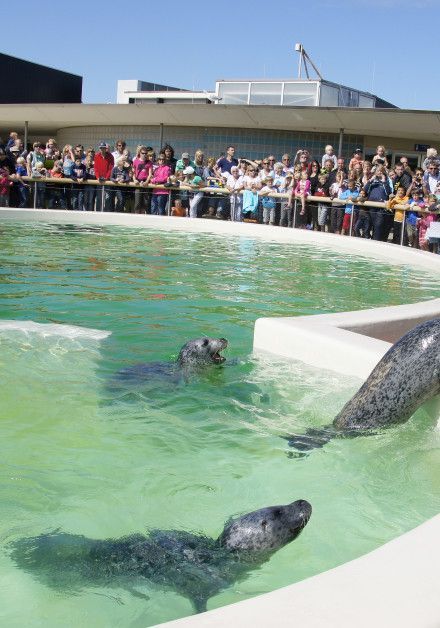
column 400, row 198
column 302, row 191
column 322, row 207
column 22, row 187
column 56, row 195
column 178, row 209
column 356, row 160
column 416, row 203
column 329, row 156
column 349, row 194
column 268, row 202
column 78, row 175
column 39, row 172
column 5, row 186
column 424, row 221
column 337, row 210
column 363, row 222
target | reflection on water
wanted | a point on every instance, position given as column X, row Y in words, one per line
column 79, row 455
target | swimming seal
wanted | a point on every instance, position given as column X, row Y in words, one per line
column 194, row 356
column 407, row 376
column 195, row 566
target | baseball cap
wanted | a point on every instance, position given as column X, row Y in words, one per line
column 358, row 150
column 185, row 155
column 102, row 145
column 188, row 170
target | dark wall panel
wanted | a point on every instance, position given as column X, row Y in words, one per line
column 26, row 82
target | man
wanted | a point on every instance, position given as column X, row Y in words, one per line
column 120, row 152
column 402, row 179
column 431, row 178
column 184, row 162
column 104, row 164
column 225, row 163
column 340, row 167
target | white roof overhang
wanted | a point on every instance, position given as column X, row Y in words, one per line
column 400, row 123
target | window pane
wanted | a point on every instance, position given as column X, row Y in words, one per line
column 265, row 94
column 233, row 93
column 300, row 94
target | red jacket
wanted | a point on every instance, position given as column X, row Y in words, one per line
column 104, row 165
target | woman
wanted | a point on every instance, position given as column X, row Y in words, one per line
column 195, row 205
column 90, row 188
column 170, row 160
column 160, row 195
column 142, row 173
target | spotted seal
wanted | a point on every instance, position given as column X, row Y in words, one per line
column 194, row 356
column 195, row 566
column 407, row 376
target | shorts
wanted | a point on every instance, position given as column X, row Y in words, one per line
column 346, row 222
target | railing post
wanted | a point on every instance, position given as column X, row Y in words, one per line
column 403, row 228
column 35, row 195
column 102, row 197
column 351, row 220
column 169, row 203
column 294, row 214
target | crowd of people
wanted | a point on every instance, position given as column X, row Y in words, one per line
column 287, row 192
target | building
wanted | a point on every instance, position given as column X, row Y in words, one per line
column 27, row 82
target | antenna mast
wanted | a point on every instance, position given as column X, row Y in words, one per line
column 303, row 59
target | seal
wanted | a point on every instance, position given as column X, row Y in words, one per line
column 407, row 376
column 195, row 566
column 194, row 356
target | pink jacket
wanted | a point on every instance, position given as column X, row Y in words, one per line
column 303, row 187
column 161, row 175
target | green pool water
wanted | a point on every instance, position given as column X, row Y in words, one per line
column 78, row 455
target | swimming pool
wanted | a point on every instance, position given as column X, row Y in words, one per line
column 83, row 457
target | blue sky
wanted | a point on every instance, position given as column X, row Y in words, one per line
column 388, row 47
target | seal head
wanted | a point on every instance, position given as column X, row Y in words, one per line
column 201, row 352
column 266, row 530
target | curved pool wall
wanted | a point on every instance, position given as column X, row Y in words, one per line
column 396, row 584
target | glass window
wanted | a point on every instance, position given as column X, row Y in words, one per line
column 366, row 101
column 329, row 96
column 300, row 94
column 265, row 94
column 348, row 97
column 233, row 93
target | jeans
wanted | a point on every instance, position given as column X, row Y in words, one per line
column 336, row 218
column 159, row 204
column 78, row 198
column 286, row 218
column 236, row 201
column 23, row 195
column 89, row 198
column 195, row 205
column 363, row 224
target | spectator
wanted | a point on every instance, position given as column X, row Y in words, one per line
column 400, row 198
column 225, row 163
column 234, row 185
column 287, row 164
column 178, row 209
column 431, row 157
column 402, row 178
column 22, row 187
column 56, row 197
column 160, row 195
column 120, row 177
column 322, row 212
column 431, row 178
column 268, row 202
column 195, row 206
column 184, row 162
column 170, row 160
column 5, row 186
column 104, row 164
column 329, row 155
column 121, row 152
column 79, row 175
column 90, row 190
column 349, row 195
column 195, row 181
column 302, row 191
column 39, row 172
column 380, row 158
column 142, row 173
column 378, row 190
column 356, row 159
column 362, row 225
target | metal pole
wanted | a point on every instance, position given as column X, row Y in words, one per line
column 341, row 137
column 26, row 133
column 169, row 204
column 102, row 198
column 351, row 220
column 300, row 62
column 160, row 135
column 294, row 213
column 35, row 195
column 403, row 227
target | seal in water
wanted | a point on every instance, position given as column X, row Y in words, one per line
column 195, row 566
column 407, row 376
column 194, row 356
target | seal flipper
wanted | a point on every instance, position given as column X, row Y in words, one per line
column 199, row 604
column 313, row 438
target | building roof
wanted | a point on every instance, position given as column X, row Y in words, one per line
column 399, row 123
